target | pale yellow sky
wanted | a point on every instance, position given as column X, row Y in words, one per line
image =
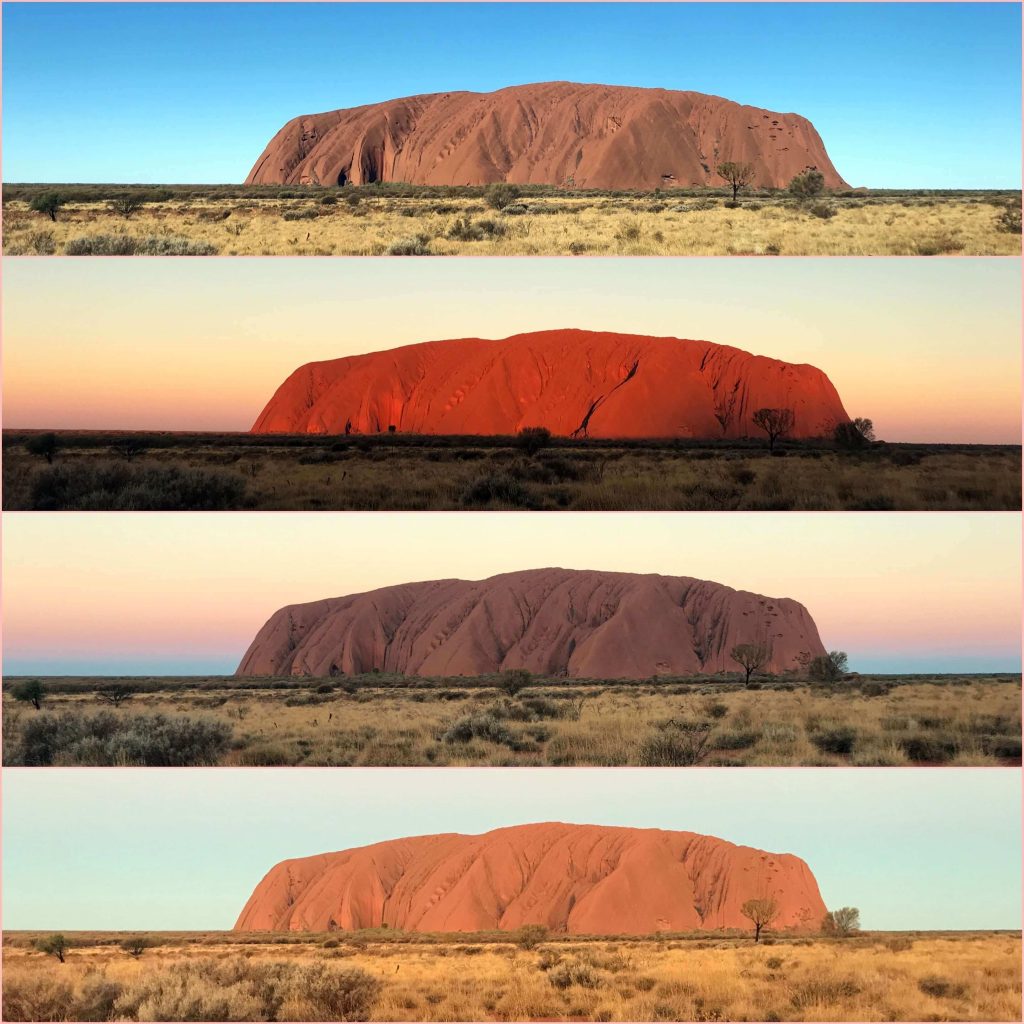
column 162, row 592
column 929, row 349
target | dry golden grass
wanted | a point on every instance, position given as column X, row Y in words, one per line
column 373, row 475
column 958, row 721
column 870, row 977
column 663, row 225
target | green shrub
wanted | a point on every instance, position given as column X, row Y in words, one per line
column 940, row 988
column 1009, row 220
column 127, row 205
column 499, row 487
column 480, row 725
column 103, row 486
column 822, row 211
column 533, row 439
column 675, row 744
column 300, row 215
column 807, row 184
column 929, row 748
column 48, row 203
column 125, row 245
column 736, row 740
column 530, row 936
column 108, row 739
column 417, row 245
column 501, row 194
column 573, row 972
column 839, row 740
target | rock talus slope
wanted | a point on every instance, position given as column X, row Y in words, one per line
column 574, row 879
column 573, row 382
column 550, row 133
column 561, row 622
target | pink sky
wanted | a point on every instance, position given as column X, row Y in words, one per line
column 164, row 592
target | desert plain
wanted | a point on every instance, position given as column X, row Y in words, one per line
column 166, row 470
column 379, row 719
column 384, row 974
column 406, row 220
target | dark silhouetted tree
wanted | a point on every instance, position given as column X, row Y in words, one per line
column 29, row 691
column 827, row 668
column 858, row 433
column 751, row 657
column 775, row 423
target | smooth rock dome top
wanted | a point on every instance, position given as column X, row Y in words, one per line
column 573, row 382
column 563, row 622
column 550, row 133
column 574, row 879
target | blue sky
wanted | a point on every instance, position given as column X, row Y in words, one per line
column 904, row 95
column 877, row 839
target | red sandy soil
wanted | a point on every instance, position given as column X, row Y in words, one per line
column 579, row 383
column 565, row 622
column 575, row 879
column 551, row 133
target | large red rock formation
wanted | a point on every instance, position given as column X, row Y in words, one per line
column 576, row 623
column 575, row 879
column 575, row 383
column 552, row 133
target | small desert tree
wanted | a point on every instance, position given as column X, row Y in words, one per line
column 807, row 184
column 117, row 694
column 857, row 433
column 136, row 945
column 54, row 945
column 775, row 423
column 42, row 444
column 738, row 175
column 48, row 203
column 514, row 679
column 842, row 922
column 29, row 691
column 125, row 206
column 827, row 668
column 530, row 936
column 760, row 913
column 751, row 657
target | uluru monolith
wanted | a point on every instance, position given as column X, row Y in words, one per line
column 557, row 622
column 549, row 133
column 574, row 383
column 573, row 879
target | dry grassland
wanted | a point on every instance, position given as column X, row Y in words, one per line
column 545, row 224
column 384, row 721
column 868, row 977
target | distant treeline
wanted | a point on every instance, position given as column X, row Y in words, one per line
column 339, row 443
column 455, row 686
column 96, row 193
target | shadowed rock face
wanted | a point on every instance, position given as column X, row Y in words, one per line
column 552, row 133
column 563, row 622
column 574, row 383
column 576, row 879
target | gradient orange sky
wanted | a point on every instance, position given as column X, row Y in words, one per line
column 929, row 349
column 165, row 593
